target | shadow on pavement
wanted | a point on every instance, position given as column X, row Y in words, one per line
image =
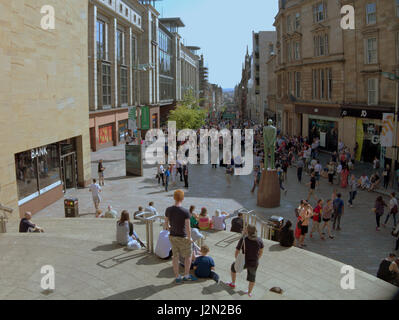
column 119, row 259
column 140, row 293
column 214, row 288
column 150, row 260
column 277, row 247
column 119, row 178
column 228, row 241
column 107, row 247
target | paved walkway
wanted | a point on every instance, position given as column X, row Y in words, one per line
column 358, row 244
column 89, row 265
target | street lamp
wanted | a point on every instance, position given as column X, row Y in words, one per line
column 394, row 77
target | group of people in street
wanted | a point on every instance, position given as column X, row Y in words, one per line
column 171, row 172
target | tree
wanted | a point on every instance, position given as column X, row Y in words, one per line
column 188, row 114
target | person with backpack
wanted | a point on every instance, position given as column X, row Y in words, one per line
column 393, row 210
column 338, row 205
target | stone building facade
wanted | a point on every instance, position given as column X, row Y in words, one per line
column 330, row 81
column 45, row 144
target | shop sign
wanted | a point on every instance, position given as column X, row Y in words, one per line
column 38, row 152
column 145, row 118
column 387, row 130
column 362, row 113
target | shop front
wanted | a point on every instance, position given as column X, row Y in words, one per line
column 123, row 127
column 321, row 122
column 43, row 173
column 369, row 125
column 325, row 129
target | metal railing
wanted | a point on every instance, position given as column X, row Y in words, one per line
column 266, row 230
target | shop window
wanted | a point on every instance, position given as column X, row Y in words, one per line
column 49, row 167
column 26, row 171
column 37, row 171
column 105, row 134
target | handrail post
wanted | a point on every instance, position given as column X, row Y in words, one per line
column 152, row 235
column 147, row 234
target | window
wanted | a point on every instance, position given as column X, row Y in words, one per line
column 297, row 21
column 315, row 82
column 290, row 83
column 106, row 84
column 297, row 84
column 127, row 12
column 371, row 51
column 320, row 43
column 372, row 91
column 120, row 8
column 119, row 46
column 297, row 49
column 322, row 84
column 289, row 51
column 100, row 39
column 319, row 12
column 134, row 50
column 330, row 84
column 123, row 86
column 37, row 171
column 371, row 15
column 289, row 24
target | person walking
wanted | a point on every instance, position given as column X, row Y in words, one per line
column 330, row 172
column 299, row 165
column 352, row 190
column 344, row 177
column 386, row 174
column 393, row 210
column 312, row 187
column 179, row 168
column 160, row 174
column 257, row 176
column 379, row 210
column 177, row 221
column 317, row 213
column 101, row 170
column 328, row 210
column 338, row 205
column 167, row 175
column 95, row 190
column 280, row 174
column 185, row 175
column 252, row 247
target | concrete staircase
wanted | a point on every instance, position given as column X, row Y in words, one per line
column 90, row 265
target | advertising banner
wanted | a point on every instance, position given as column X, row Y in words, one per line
column 386, row 137
column 105, row 134
column 145, row 118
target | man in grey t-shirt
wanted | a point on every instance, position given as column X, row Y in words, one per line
column 177, row 221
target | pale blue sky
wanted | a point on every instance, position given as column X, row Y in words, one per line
column 223, row 29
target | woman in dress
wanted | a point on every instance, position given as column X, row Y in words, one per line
column 344, row 177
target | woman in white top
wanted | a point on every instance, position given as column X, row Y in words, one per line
column 219, row 220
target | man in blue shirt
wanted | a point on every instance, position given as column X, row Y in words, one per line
column 167, row 175
column 204, row 266
column 338, row 205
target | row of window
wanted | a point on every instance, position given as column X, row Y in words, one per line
column 102, row 43
column 322, row 85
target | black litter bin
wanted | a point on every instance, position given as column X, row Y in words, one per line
column 275, row 223
column 71, row 206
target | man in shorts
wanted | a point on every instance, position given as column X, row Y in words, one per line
column 253, row 252
column 177, row 221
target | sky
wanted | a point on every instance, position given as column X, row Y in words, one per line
column 223, row 29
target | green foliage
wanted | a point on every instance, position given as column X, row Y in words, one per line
column 188, row 114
